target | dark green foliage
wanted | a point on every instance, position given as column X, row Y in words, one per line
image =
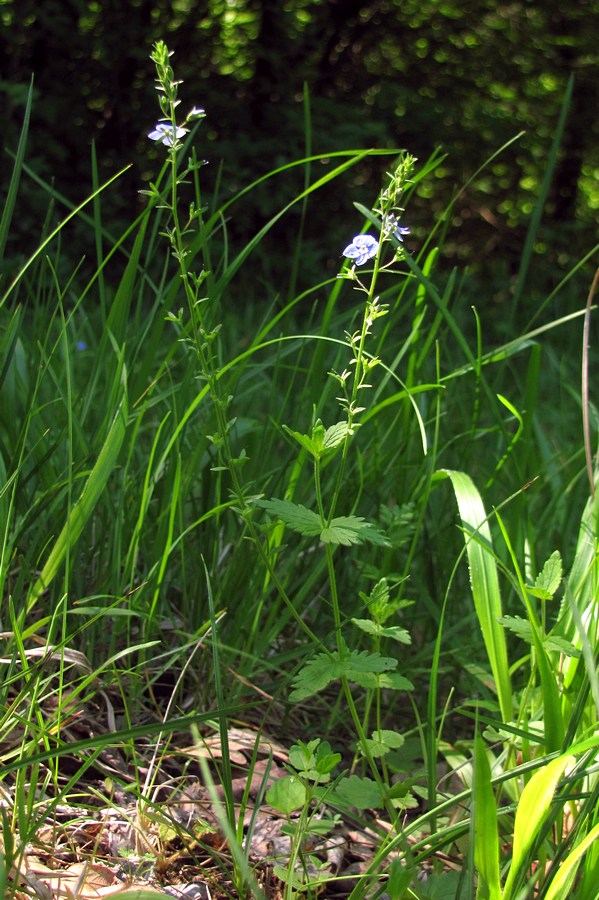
column 466, row 76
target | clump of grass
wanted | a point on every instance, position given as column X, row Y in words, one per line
column 205, row 525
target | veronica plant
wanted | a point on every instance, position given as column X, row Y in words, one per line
column 368, row 670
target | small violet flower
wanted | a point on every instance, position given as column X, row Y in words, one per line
column 393, row 227
column 166, row 134
column 196, row 113
column 362, row 248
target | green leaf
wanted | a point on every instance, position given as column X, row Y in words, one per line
column 486, row 842
column 395, row 632
column 362, row 793
column 533, row 808
column 393, row 681
column 349, row 530
column 344, row 530
column 314, row 443
column 314, row 760
column 336, row 434
column 560, row 886
column 484, row 583
column 286, row 794
column 382, row 742
column 549, row 579
column 294, row 515
column 302, row 756
column 322, row 440
column 325, row 668
column 523, row 629
column 399, row 880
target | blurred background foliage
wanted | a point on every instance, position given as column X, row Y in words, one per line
column 462, row 75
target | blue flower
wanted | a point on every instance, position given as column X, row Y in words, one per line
column 362, row 248
column 166, row 134
column 393, row 227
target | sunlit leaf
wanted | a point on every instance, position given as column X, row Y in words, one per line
column 486, row 842
column 532, row 811
column 325, row 668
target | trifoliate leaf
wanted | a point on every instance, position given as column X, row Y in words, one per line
column 302, row 755
column 383, row 741
column 322, row 440
column 294, row 515
column 344, row 530
column 325, row 668
column 395, row 632
column 314, row 760
column 362, row 793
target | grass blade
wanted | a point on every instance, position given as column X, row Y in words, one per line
column 562, row 881
column 532, row 810
column 537, row 213
column 484, row 583
column 13, row 187
column 83, row 508
column 486, row 842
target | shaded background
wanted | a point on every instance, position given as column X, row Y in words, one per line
column 462, row 75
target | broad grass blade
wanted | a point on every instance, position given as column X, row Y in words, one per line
column 486, row 842
column 532, row 810
column 561, row 884
column 484, row 583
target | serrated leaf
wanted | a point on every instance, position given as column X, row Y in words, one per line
column 297, row 517
column 561, row 645
column 395, row 632
column 344, row 530
column 336, row 434
column 393, row 681
column 325, row 668
column 518, row 626
column 349, row 530
column 362, row 793
column 549, row 579
column 383, row 741
column 313, row 446
column 322, row 440
column 539, row 593
column 522, row 628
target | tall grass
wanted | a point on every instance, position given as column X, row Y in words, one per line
column 341, row 518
